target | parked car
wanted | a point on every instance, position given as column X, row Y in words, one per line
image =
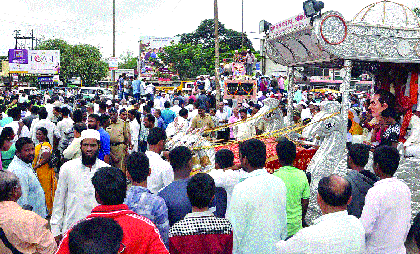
column 95, row 92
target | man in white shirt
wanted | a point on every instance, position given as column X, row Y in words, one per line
column 335, row 231
column 19, row 128
column 179, row 125
column 75, row 195
column 53, row 133
column 73, row 151
column 64, row 126
column 387, row 211
column 150, row 91
column 257, row 207
column 246, row 129
column 133, row 116
column 224, row 174
column 176, row 108
column 161, row 174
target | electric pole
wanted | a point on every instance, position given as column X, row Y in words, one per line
column 216, row 46
column 242, row 34
column 113, row 46
column 17, row 32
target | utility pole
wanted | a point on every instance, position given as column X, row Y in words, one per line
column 18, row 37
column 32, row 40
column 113, row 45
column 216, row 46
column 242, row 34
column 17, row 32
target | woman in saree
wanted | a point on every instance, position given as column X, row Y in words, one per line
column 7, row 148
column 45, row 173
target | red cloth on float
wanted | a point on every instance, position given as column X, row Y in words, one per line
column 303, row 156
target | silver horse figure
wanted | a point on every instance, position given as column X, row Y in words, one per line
column 331, row 152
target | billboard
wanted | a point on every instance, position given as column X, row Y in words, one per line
column 113, row 63
column 44, row 62
column 158, row 42
column 18, row 61
column 19, row 56
column 34, row 61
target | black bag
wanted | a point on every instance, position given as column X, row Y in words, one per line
column 55, row 159
column 7, row 243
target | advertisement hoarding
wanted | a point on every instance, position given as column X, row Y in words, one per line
column 113, row 63
column 19, row 56
column 18, row 61
column 34, row 61
column 158, row 42
column 44, row 61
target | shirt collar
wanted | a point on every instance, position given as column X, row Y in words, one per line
column 22, row 162
column 330, row 216
column 140, row 189
column 384, row 181
column 199, row 214
column 9, row 205
column 94, row 166
column 256, row 172
column 110, row 208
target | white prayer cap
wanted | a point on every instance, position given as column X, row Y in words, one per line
column 89, row 133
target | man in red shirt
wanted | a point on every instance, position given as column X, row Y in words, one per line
column 140, row 234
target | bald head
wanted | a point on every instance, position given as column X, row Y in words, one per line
column 334, row 190
column 9, row 185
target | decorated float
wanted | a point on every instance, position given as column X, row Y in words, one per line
column 383, row 40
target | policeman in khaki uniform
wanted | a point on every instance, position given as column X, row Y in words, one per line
column 119, row 132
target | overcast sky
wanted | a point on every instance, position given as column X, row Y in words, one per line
column 90, row 21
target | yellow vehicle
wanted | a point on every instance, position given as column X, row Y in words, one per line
column 167, row 86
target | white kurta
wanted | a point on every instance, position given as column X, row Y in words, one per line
column 15, row 126
column 135, row 130
column 75, row 195
column 227, row 179
column 161, row 172
column 386, row 217
column 332, row 233
column 257, row 212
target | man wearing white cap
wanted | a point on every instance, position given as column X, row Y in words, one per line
column 75, row 195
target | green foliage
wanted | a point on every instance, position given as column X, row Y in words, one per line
column 195, row 54
column 204, row 34
column 129, row 61
column 417, row 11
column 82, row 60
column 189, row 60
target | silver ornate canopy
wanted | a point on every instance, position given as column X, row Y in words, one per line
column 382, row 32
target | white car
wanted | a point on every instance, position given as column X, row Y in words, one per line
column 93, row 92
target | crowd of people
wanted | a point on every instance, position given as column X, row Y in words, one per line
column 92, row 176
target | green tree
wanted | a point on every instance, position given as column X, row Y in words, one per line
column 81, row 60
column 204, row 34
column 417, row 11
column 188, row 60
column 129, row 61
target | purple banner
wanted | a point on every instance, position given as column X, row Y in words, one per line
column 19, row 56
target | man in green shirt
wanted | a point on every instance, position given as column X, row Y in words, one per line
column 298, row 192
